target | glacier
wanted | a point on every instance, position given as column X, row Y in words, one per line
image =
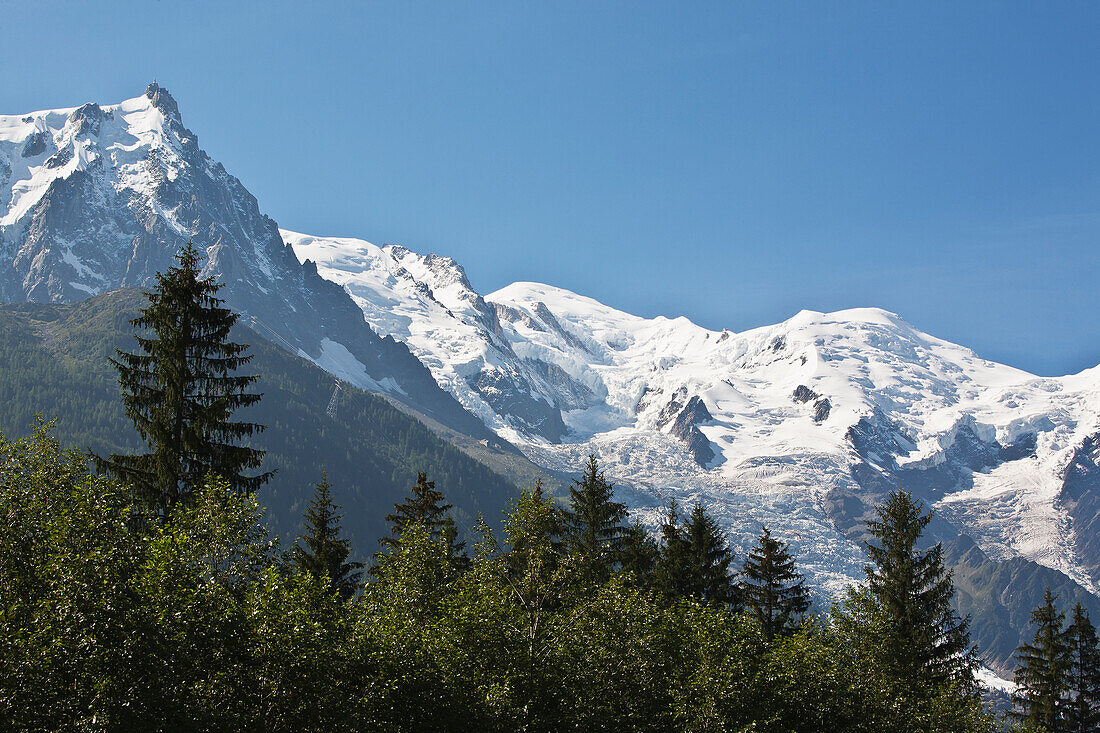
column 801, row 426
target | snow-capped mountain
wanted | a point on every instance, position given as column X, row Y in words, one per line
column 93, row 198
column 803, row 425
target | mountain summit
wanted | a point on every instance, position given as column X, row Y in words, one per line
column 94, row 198
column 803, row 426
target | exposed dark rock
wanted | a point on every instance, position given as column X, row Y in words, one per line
column 645, row 399
column 162, row 100
column 821, row 410
column 802, row 393
column 60, row 158
column 543, row 314
column 509, row 396
column 778, row 344
column 1080, row 495
column 514, row 315
column 695, row 412
column 684, row 417
column 568, row 393
column 699, row 447
column 87, row 119
column 35, row 145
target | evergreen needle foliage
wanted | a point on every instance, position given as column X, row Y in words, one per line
column 923, row 637
column 772, row 588
column 1083, row 710
column 594, row 528
column 695, row 558
column 180, row 390
column 425, row 507
column 323, row 551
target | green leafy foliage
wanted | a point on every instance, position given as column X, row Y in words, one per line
column 108, row 623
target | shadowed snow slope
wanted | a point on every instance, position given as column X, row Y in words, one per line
column 803, row 425
column 94, row 198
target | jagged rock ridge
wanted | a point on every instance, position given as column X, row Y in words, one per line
column 99, row 197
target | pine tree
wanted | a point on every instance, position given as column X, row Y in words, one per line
column 1043, row 669
column 594, row 523
column 640, row 555
column 180, row 391
column 709, row 559
column 322, row 550
column 925, row 640
column 1083, row 707
column 772, row 588
column 672, row 571
column 425, row 506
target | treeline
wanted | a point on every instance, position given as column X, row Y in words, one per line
column 151, row 597
column 113, row 622
column 53, row 360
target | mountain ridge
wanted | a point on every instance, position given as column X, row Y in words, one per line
column 803, row 425
column 94, row 198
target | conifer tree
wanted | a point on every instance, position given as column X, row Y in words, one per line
column 180, row 391
column 772, row 588
column 640, row 554
column 322, row 550
column 672, row 559
column 427, row 507
column 1043, row 669
column 709, row 559
column 594, row 523
column 1083, row 708
column 925, row 639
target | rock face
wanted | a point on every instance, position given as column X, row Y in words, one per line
column 804, row 425
column 95, row 198
column 683, row 419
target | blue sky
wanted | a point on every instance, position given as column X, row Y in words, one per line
column 734, row 162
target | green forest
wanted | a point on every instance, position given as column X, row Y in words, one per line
column 152, row 594
column 53, row 362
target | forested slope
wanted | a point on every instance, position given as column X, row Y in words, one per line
column 53, row 361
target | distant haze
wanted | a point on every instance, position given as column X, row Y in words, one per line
column 733, row 163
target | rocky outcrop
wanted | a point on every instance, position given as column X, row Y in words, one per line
column 509, row 397
column 804, row 394
column 103, row 227
column 35, row 145
column 1079, row 494
column 682, row 416
column 86, row 119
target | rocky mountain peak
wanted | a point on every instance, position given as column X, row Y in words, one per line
column 162, row 100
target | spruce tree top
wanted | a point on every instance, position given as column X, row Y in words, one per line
column 180, row 391
column 322, row 550
column 913, row 588
column 772, row 587
column 594, row 523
